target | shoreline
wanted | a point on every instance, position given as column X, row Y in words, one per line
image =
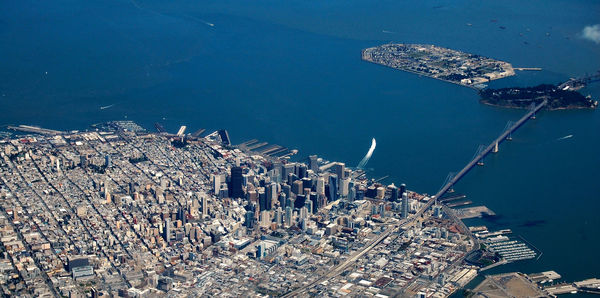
column 485, row 102
column 422, row 74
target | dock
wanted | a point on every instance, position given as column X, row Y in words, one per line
column 35, row 129
column 528, row 68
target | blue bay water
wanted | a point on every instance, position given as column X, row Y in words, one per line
column 289, row 72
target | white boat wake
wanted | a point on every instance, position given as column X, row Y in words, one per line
column 365, row 160
column 108, row 106
column 564, row 138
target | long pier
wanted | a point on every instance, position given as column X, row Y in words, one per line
column 491, row 147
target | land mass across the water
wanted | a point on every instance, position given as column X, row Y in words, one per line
column 523, row 97
column 440, row 63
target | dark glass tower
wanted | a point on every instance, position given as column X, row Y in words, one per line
column 237, row 180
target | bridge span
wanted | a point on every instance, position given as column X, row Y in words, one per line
column 491, row 147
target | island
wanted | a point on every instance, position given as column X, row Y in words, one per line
column 523, row 97
column 440, row 63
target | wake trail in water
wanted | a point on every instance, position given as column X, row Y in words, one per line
column 365, row 160
column 564, row 138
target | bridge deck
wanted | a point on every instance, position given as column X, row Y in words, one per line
column 481, row 155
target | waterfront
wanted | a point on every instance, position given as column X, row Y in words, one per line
column 295, row 78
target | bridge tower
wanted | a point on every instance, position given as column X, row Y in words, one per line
column 480, row 149
column 508, row 125
column 531, row 108
column 495, row 150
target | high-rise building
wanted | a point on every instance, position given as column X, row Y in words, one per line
column 237, row 180
column 309, row 206
column 167, row 230
column 262, row 200
column 344, row 185
column 402, row 189
column 271, row 194
column 320, row 185
column 313, row 163
column 333, row 186
column 297, row 187
column 216, row 181
column 279, row 217
column 394, row 193
column 340, row 168
column 288, row 216
column 249, row 219
column 351, row 191
column 204, row 204
column 282, row 199
column 404, row 205
column 287, row 170
column 302, row 171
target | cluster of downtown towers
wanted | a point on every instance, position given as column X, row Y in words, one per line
column 295, row 190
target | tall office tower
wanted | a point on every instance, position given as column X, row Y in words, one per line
column 320, row 185
column 262, row 200
column 181, row 215
column 307, row 183
column 404, row 205
column 279, row 217
column 271, row 194
column 291, row 178
column 313, row 163
column 333, row 186
column 304, row 213
column 286, row 189
column 289, row 202
column 394, row 193
column 302, row 171
column 297, row 187
column 402, row 189
column 216, row 182
column 322, row 201
column 288, row 216
column 340, row 168
column 249, row 219
column 237, row 180
column 314, row 198
column 265, row 218
column 287, row 170
column 282, row 198
column 204, row 204
column 167, row 230
column 351, row 191
column 299, row 202
column 344, row 185
column 275, row 174
column 107, row 161
column 309, row 206
column 382, row 210
column 58, row 164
